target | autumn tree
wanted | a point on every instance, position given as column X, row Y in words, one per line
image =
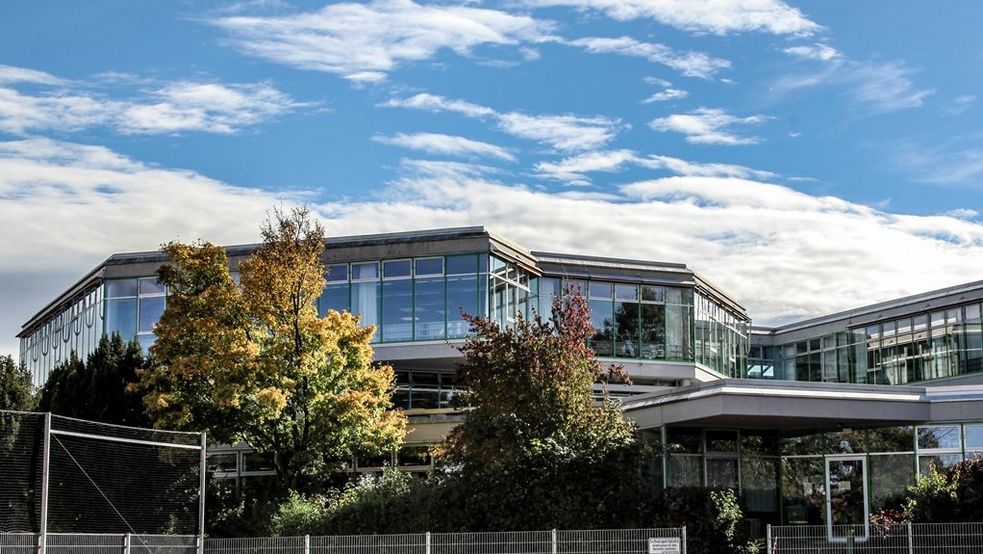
column 16, row 389
column 538, row 448
column 253, row 361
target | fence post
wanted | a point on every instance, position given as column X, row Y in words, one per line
column 768, row 539
column 307, row 544
column 45, row 470
column 201, row 494
column 683, row 533
column 553, row 546
column 428, row 542
column 911, row 540
column 127, row 541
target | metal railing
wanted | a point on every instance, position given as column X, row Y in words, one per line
column 619, row 541
column 903, row 538
column 97, row 543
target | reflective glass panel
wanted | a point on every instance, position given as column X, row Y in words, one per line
column 119, row 288
column 683, row 440
column 150, row 311
column 429, row 266
column 938, row 437
column 462, row 296
column 626, row 318
column 334, row 297
column 121, row 317
column 804, row 490
column 601, row 290
column 974, row 436
column 467, row 263
column 653, row 331
column 149, row 285
column 722, row 473
column 601, row 317
column 890, row 477
column 364, row 271
column 338, row 272
column 397, row 311
column 396, row 268
column 941, row 462
column 429, row 309
column 652, row 293
column 365, row 303
column 685, row 471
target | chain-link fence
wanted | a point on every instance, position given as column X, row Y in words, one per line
column 64, row 475
column 617, row 541
column 97, row 543
column 904, row 538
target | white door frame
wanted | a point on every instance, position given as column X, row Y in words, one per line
column 862, row 458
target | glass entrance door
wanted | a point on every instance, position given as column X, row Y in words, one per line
column 846, row 501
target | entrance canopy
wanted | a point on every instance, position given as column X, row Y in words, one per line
column 791, row 405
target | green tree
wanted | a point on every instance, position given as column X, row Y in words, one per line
column 253, row 361
column 16, row 389
column 97, row 389
column 947, row 496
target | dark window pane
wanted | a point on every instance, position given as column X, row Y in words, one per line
column 430, row 266
column 722, row 473
column 601, row 317
column 721, row 441
column 653, row 331
column 395, row 268
column 467, row 263
column 337, row 273
column 683, row 440
column 653, row 294
column 685, row 471
column 626, row 318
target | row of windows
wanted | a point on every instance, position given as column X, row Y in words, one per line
column 783, row 478
column 77, row 328
column 922, row 347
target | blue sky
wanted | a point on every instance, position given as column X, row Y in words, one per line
column 807, row 156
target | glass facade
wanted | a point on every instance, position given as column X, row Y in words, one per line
column 411, row 299
column 785, row 477
column 918, row 347
column 423, row 389
column 132, row 307
column 77, row 327
column 721, row 341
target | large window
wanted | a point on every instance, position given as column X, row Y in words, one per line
column 133, row 307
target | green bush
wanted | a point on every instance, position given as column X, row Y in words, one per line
column 956, row 495
column 712, row 518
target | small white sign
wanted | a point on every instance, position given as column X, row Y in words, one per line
column 664, row 545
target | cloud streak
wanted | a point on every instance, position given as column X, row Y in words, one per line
column 436, row 143
column 574, row 170
column 709, row 126
column 365, row 42
column 720, row 17
column 161, row 109
column 564, row 132
column 691, row 64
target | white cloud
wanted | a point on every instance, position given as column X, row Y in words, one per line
column 962, row 213
column 719, row 17
column 874, row 85
column 572, row 170
column 365, row 42
column 436, row 143
column 564, row 132
column 691, row 64
column 961, row 104
column 709, row 126
column 11, row 74
column 817, row 51
column 666, row 95
column 165, row 108
column 780, row 252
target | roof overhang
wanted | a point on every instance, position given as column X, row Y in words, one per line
column 791, row 405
